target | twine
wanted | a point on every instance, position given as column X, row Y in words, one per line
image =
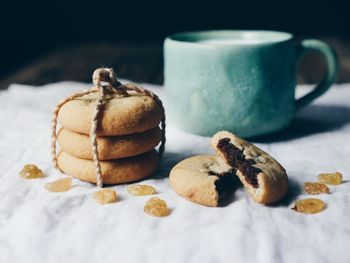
column 106, row 84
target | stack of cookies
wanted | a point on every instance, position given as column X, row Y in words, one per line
column 128, row 132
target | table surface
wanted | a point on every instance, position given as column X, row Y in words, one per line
column 38, row 226
column 141, row 63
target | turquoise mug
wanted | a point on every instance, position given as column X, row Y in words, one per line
column 237, row 80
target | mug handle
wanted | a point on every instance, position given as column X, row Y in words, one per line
column 313, row 45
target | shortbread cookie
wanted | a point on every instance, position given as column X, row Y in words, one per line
column 113, row 172
column 120, row 116
column 203, row 179
column 262, row 176
column 109, row 147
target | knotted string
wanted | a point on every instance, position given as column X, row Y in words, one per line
column 106, row 84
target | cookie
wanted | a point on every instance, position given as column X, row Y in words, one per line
column 203, row 179
column 109, row 147
column 113, row 172
column 121, row 115
column 262, row 176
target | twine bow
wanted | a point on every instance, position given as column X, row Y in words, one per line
column 106, row 83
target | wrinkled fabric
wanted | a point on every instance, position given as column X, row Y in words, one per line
column 39, row 226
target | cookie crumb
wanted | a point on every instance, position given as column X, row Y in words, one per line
column 330, row 178
column 309, row 206
column 31, row 171
column 60, row 185
column 140, row 189
column 105, row 196
column 156, row 207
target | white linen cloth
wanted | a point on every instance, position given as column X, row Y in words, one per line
column 39, row 226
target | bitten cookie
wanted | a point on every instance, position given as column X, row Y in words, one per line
column 203, row 179
column 111, row 147
column 113, row 172
column 262, row 176
column 121, row 115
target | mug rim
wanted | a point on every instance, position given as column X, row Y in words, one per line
column 192, row 37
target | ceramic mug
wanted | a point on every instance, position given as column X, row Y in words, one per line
column 236, row 80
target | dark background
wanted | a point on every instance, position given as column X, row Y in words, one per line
column 44, row 41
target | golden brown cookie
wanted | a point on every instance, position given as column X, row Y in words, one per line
column 262, row 176
column 109, row 147
column 203, row 179
column 121, row 115
column 113, row 172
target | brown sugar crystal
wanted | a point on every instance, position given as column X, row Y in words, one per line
column 105, row 196
column 309, row 206
column 31, row 171
column 316, row 188
column 60, row 185
column 156, row 207
column 140, row 189
column 330, row 178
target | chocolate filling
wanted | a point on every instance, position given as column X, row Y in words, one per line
column 224, row 184
column 236, row 159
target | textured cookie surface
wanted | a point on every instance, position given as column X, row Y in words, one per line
column 109, row 147
column 121, row 115
column 202, row 179
column 262, row 176
column 113, row 172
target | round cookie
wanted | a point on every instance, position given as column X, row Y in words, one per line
column 113, row 172
column 262, row 176
column 203, row 179
column 109, row 147
column 121, row 115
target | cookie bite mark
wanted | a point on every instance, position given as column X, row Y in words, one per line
column 237, row 160
column 264, row 179
column 223, row 185
column 202, row 179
